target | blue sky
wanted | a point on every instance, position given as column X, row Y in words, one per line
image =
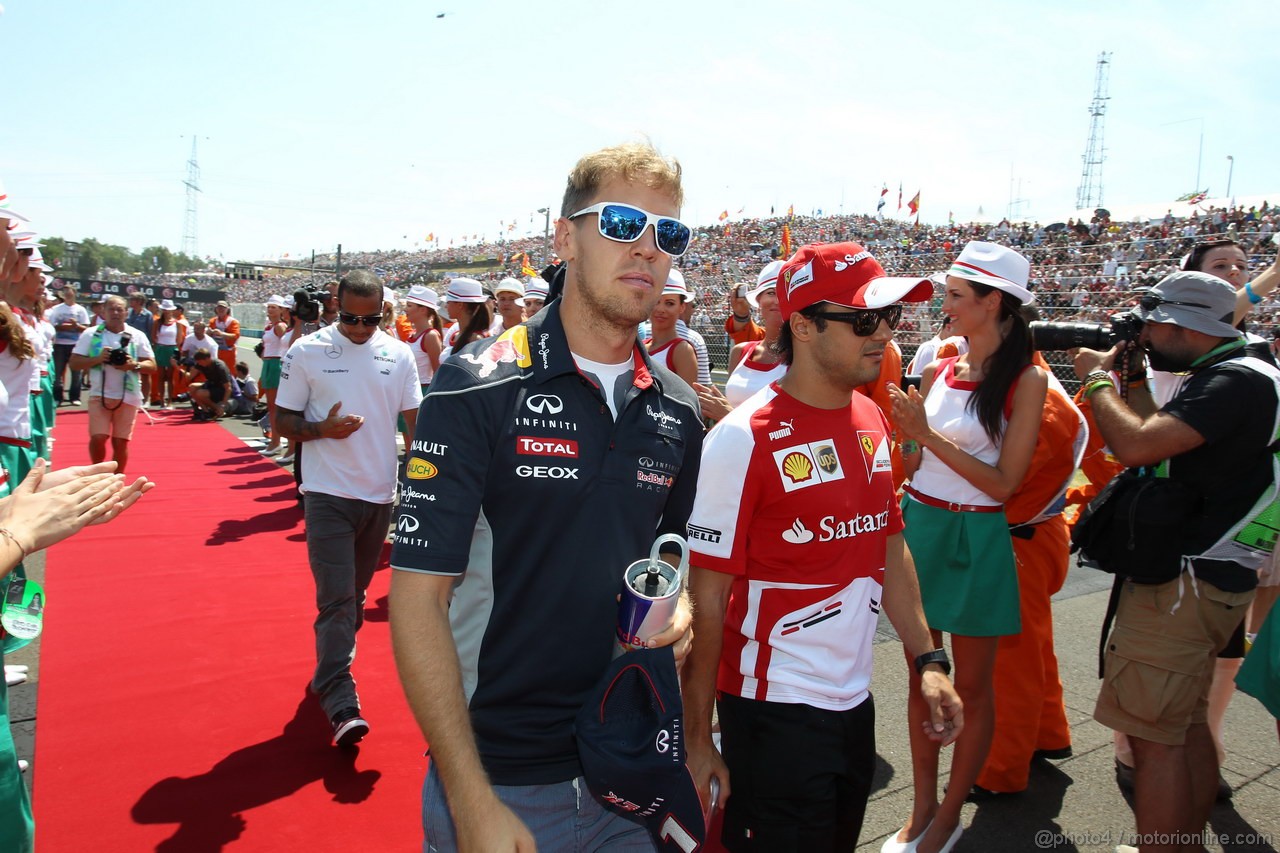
column 373, row 124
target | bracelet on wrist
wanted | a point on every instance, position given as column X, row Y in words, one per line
column 1101, row 383
column 1254, row 298
column 910, row 446
column 746, row 318
column 9, row 534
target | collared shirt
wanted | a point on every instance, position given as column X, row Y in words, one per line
column 376, row 380
column 520, row 481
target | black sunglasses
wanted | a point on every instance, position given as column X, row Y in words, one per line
column 1151, row 301
column 347, row 319
column 865, row 322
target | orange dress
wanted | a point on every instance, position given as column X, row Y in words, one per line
column 1030, row 713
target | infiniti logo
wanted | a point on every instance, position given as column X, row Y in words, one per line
column 545, row 404
column 663, row 740
column 407, row 524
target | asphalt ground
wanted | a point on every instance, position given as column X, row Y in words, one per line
column 1070, row 805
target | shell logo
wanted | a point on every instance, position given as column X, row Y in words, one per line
column 420, row 469
column 798, row 467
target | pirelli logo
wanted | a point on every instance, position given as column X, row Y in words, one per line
column 704, row 534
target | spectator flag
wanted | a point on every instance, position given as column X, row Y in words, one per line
column 899, row 195
column 883, row 192
column 724, row 214
column 914, row 204
column 786, row 241
column 431, row 238
column 527, row 270
column 1194, row 198
column 791, row 212
column 728, row 230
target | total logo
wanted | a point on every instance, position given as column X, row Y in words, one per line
column 546, row 472
column 805, row 465
column 565, row 448
column 420, row 469
column 831, row 529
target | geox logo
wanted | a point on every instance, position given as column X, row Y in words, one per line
column 850, row 260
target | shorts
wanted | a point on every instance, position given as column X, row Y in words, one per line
column 270, row 374
column 1159, row 665
column 116, row 422
column 561, row 816
column 217, row 393
column 800, row 775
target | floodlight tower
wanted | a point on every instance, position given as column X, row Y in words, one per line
column 189, row 223
column 1090, row 192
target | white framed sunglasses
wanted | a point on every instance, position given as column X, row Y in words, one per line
column 626, row 223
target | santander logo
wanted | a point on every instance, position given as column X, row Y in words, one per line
column 798, row 534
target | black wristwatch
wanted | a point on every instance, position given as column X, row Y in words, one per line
column 938, row 656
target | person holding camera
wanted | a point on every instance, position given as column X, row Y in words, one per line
column 738, row 325
column 208, row 394
column 116, row 360
column 1171, row 622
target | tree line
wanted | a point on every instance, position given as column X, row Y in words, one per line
column 94, row 256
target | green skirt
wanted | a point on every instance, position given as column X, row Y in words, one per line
column 270, row 374
column 17, row 828
column 964, row 560
column 1259, row 675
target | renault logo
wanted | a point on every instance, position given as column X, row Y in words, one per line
column 545, row 404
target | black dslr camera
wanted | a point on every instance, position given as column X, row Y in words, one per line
column 120, row 354
column 1124, row 327
column 308, row 301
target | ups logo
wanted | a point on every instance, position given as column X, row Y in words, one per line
column 827, row 459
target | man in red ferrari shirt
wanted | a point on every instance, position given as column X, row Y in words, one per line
column 796, row 539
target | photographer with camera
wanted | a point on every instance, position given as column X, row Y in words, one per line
column 1210, row 450
column 213, row 388
column 116, row 360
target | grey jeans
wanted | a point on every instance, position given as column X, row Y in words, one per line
column 344, row 542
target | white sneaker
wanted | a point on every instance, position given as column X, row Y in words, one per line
column 270, row 451
column 286, row 460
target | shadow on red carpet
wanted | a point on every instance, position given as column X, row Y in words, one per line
column 170, row 706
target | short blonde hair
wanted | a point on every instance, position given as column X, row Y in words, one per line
column 633, row 162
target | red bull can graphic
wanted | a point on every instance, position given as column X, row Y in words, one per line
column 650, row 592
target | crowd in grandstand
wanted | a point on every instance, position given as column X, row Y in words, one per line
column 1081, row 271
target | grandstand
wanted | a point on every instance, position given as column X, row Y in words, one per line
column 1082, row 270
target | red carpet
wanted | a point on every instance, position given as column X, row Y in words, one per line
column 172, row 714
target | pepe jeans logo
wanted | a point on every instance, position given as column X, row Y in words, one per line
column 543, row 351
column 663, row 418
column 545, row 404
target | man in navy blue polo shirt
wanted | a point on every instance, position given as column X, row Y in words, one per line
column 546, row 460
